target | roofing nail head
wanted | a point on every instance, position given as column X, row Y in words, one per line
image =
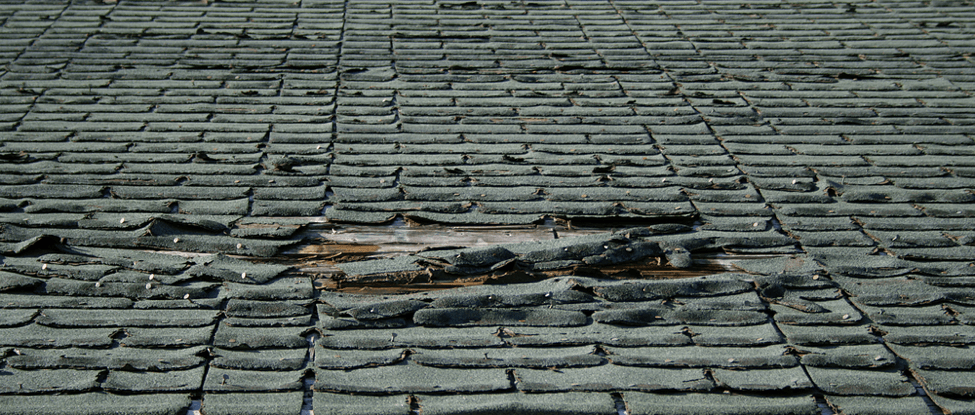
column 121, row 220
column 148, row 286
column 186, row 296
column 175, row 240
column 98, row 284
column 243, row 275
column 44, row 266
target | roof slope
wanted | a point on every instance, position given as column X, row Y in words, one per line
column 839, row 134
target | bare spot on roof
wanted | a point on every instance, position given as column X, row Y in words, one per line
column 398, row 258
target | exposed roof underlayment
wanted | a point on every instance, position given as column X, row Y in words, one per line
column 474, row 207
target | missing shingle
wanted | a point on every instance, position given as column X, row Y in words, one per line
column 414, row 404
column 621, row 408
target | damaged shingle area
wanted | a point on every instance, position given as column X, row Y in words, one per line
column 179, row 180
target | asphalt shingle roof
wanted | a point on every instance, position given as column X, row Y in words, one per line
column 160, row 162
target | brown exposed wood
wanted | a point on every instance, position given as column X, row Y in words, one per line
column 329, row 245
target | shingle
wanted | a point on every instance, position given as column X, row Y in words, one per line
column 225, row 268
column 126, row 318
column 260, row 359
column 461, row 317
column 836, row 312
column 411, row 378
column 563, row 403
column 253, row 403
column 411, row 337
column 908, row 316
column 954, row 404
column 35, row 335
column 828, row 335
column 22, row 381
column 224, row 380
column 726, row 357
column 849, row 356
column 716, row 403
column 757, row 335
column 284, row 288
column 260, row 337
column 32, row 301
column 947, row 382
column 96, row 403
column 119, row 358
column 949, row 335
column 874, row 405
column 355, row 359
column 168, row 381
column 860, row 382
column 762, row 379
column 10, row 281
column 538, row 358
column 596, row 333
column 611, row 377
column 340, row 404
column 664, row 315
column 935, row 357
